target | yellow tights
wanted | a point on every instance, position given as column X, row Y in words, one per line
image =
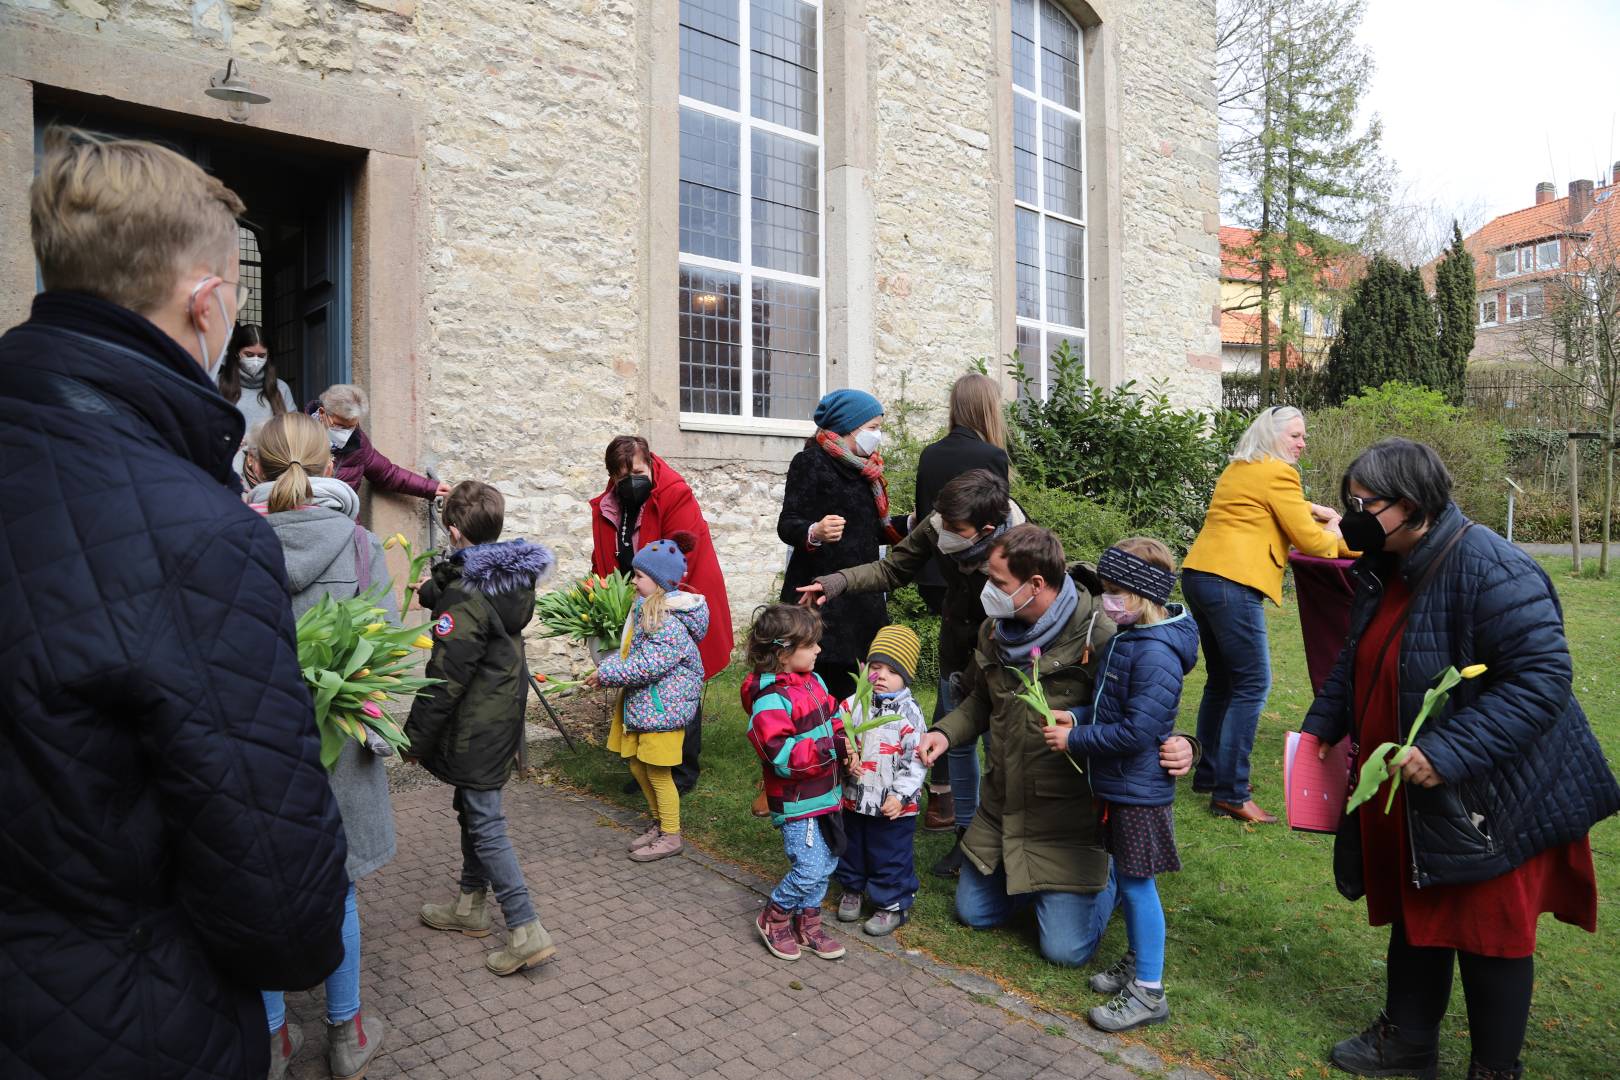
column 658, row 785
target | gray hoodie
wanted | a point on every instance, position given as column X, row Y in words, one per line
column 318, row 542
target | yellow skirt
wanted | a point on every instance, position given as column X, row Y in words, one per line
column 647, row 747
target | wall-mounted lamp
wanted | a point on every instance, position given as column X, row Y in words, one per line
column 229, row 86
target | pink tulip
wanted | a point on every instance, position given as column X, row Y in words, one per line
column 1035, row 653
column 371, row 710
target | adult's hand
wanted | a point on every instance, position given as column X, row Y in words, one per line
column 812, row 595
column 829, row 530
column 932, row 745
column 1417, row 770
column 444, row 489
column 1057, row 735
column 1176, row 756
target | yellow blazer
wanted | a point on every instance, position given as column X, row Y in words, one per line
column 1259, row 510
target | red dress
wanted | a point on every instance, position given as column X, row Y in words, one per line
column 1496, row 917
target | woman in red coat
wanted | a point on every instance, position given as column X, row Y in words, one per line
column 646, row 500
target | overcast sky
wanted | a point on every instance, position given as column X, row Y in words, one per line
column 1482, row 99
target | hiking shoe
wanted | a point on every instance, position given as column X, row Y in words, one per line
column 525, row 947
column 285, row 1042
column 1382, row 1051
column 662, row 847
column 950, row 864
column 1116, row 978
column 352, row 1044
column 885, row 922
column 775, row 926
column 1133, row 1007
column 849, row 907
column 807, row 929
column 468, row 915
column 645, row 838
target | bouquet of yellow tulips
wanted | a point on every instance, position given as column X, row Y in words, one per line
column 591, row 610
column 353, row 659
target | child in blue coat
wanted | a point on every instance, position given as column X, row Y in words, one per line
column 1133, row 711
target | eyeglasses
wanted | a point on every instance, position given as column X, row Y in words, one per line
column 1358, row 505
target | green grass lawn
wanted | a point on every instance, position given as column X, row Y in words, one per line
column 1267, row 965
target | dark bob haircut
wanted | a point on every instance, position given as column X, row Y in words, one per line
column 1401, row 469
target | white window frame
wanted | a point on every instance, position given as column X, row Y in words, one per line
column 1513, row 269
column 1305, row 319
column 745, row 422
column 1524, row 294
column 1496, row 309
column 1556, row 254
column 1041, row 325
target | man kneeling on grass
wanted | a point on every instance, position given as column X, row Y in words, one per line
column 1034, row 840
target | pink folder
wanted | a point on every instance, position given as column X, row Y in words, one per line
column 1315, row 791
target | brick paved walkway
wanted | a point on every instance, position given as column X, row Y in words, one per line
column 659, row 974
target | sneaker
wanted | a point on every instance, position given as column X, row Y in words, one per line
column 885, row 922
column 525, row 947
column 352, row 1044
column 644, row 839
column 1133, row 1007
column 950, row 863
column 468, row 914
column 1117, row 977
column 285, row 1043
column 665, row 845
column 849, row 907
column 775, row 926
column 1382, row 1051
column 807, row 929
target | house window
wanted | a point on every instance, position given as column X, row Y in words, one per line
column 1525, row 304
column 1547, row 254
column 252, row 276
column 1487, row 312
column 1049, row 195
column 1327, row 324
column 750, row 295
column 1306, row 318
column 1507, row 263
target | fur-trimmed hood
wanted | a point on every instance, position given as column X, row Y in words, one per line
column 504, row 566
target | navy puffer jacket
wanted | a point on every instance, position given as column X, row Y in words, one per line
column 168, row 838
column 1134, row 710
column 1522, row 771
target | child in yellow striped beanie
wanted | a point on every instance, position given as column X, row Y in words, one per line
column 880, row 799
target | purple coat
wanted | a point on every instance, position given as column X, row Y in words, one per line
column 360, row 459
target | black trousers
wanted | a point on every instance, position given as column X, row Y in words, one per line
column 686, row 773
column 1496, row 991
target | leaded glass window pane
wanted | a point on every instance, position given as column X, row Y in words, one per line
column 787, row 349
column 1029, row 264
column 710, row 62
column 711, row 355
column 1060, row 143
column 1065, row 273
column 786, row 221
column 784, row 62
column 711, row 180
column 1023, row 44
column 1025, row 150
column 1060, row 57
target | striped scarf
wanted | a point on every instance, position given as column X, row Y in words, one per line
column 870, row 468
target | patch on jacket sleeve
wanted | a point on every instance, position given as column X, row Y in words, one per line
column 446, row 624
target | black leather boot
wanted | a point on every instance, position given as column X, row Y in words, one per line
column 1476, row 1071
column 950, row 864
column 1381, row 1051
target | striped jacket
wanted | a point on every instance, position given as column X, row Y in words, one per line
column 794, row 728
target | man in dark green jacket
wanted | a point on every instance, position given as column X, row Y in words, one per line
column 1034, row 838
column 466, row 729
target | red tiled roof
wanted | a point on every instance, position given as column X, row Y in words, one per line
column 1243, row 328
column 1545, row 221
column 1237, row 264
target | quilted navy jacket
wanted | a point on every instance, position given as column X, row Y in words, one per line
column 168, row 838
column 1134, row 710
column 1522, row 771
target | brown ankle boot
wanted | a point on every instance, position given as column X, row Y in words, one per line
column 807, row 928
column 776, row 927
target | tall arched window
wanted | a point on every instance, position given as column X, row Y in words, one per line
column 750, row 302
column 1049, row 191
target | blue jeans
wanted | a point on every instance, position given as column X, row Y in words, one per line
column 810, row 866
column 342, row 986
column 1232, row 632
column 487, row 858
column 963, row 760
column 1071, row 924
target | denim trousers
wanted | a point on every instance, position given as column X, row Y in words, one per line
column 487, row 858
column 1071, row 924
column 1232, row 632
column 810, row 866
column 963, row 760
column 342, row 986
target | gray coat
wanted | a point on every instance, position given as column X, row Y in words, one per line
column 319, row 546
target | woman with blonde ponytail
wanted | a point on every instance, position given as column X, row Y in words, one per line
column 329, row 554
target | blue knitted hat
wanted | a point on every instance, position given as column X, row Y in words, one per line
column 842, row 411
column 665, row 560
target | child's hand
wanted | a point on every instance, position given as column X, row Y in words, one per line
column 1057, row 735
column 852, row 762
column 594, row 680
column 891, row 807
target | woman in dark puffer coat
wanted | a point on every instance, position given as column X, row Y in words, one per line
column 1489, row 829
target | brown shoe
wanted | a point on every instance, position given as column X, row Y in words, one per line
column 807, row 928
column 762, row 805
column 1247, row 812
column 776, row 927
column 941, row 813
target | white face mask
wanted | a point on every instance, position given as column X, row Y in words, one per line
column 224, row 346
column 252, row 366
column 339, row 436
column 949, row 543
column 999, row 605
column 866, row 442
